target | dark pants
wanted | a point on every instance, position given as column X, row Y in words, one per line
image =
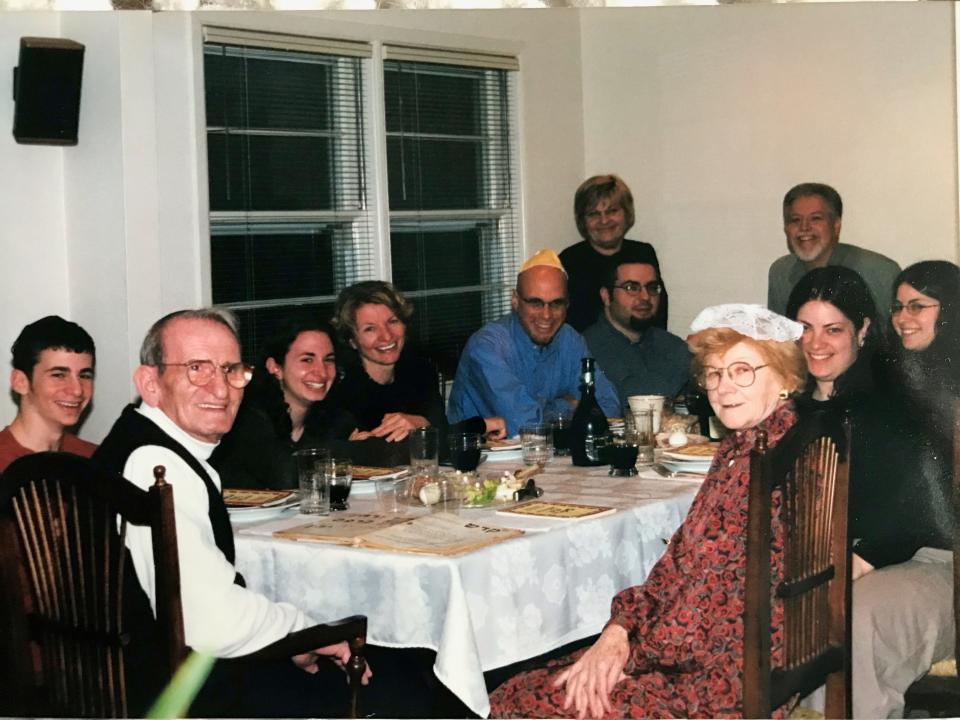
column 400, row 688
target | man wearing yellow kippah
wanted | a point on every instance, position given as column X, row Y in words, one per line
column 527, row 363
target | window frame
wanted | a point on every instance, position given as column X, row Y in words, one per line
column 382, row 41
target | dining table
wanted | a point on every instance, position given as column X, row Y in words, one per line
column 489, row 607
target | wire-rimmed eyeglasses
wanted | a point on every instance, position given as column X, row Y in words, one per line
column 653, row 288
column 914, row 307
column 201, row 372
column 741, row 374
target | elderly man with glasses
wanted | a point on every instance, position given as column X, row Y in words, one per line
column 526, row 365
column 638, row 357
column 191, row 381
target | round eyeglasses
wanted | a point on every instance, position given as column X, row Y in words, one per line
column 201, row 372
column 741, row 374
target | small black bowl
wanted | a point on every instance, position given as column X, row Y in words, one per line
column 623, row 459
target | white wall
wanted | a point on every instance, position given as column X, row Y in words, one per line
column 32, row 244
column 712, row 113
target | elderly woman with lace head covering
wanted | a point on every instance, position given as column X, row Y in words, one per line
column 673, row 646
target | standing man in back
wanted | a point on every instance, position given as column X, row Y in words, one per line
column 812, row 215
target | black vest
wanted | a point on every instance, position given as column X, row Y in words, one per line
column 133, row 431
column 143, row 673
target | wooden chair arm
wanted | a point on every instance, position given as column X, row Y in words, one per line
column 350, row 629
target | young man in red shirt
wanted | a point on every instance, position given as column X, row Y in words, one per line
column 52, row 379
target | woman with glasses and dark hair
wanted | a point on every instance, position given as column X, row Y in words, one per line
column 901, row 516
column 925, row 315
column 603, row 211
column 673, row 646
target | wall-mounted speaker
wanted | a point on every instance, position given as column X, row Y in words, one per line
column 46, row 91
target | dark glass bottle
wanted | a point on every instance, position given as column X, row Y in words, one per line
column 701, row 407
column 589, row 429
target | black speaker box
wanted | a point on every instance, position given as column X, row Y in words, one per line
column 46, row 91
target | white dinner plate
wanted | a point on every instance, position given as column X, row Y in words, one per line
column 684, row 458
column 686, row 467
column 259, row 514
column 504, row 455
column 497, row 449
column 364, row 487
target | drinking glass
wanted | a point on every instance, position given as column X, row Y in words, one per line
column 536, row 441
column 451, row 495
column 623, row 458
column 314, row 487
column 643, row 436
column 423, row 444
column 654, row 403
column 339, row 473
column 465, row 450
column 559, row 420
column 390, row 495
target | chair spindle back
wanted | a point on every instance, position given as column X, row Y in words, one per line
column 809, row 471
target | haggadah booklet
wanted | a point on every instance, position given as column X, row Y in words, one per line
column 559, row 510
column 434, row 534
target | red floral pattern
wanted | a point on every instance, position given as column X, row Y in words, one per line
column 685, row 623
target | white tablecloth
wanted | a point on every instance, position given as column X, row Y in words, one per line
column 491, row 607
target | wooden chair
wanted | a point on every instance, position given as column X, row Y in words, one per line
column 62, row 563
column 61, row 589
column 938, row 691
column 809, row 468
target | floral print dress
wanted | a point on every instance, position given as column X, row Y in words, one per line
column 685, row 622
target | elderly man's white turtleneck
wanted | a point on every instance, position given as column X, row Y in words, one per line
column 219, row 617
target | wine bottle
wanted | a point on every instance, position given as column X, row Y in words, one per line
column 700, row 406
column 589, row 430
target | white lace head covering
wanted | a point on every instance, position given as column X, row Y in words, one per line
column 754, row 321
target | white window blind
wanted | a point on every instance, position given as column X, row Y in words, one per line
column 290, row 217
column 292, row 181
column 453, row 191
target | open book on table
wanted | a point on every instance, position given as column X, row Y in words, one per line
column 435, row 534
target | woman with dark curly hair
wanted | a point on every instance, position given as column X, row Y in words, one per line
column 840, row 332
column 291, row 382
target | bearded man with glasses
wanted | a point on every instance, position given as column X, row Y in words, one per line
column 639, row 357
column 812, row 218
column 526, row 365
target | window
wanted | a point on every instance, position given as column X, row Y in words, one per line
column 293, row 176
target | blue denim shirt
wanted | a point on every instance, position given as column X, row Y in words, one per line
column 503, row 372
